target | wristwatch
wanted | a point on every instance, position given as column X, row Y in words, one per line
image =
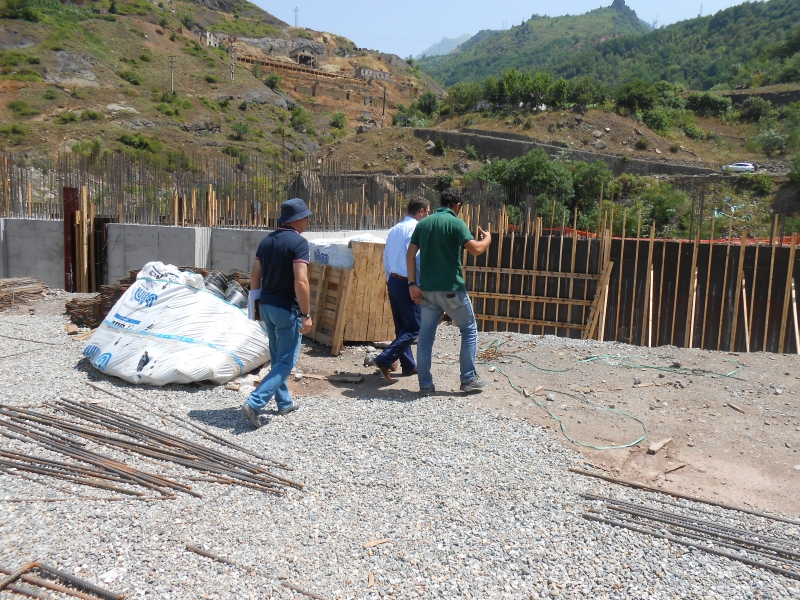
column 306, row 315
column 410, row 283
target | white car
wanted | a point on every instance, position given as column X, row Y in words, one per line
column 739, row 167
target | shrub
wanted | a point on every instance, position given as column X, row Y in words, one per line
column 657, row 120
column 131, row 77
column 166, row 109
column 301, row 119
column 428, row 103
column 443, row 181
column 140, row 142
column 794, row 172
column 257, row 72
column 14, row 134
column 187, row 20
column 20, row 108
column 67, row 117
column 243, row 105
column 763, row 185
column 91, row 149
column 471, row 153
column 211, row 79
column 234, row 152
column 163, row 23
column 642, row 143
column 674, row 148
column 637, row 95
column 272, row 81
column 22, row 10
column 50, row 95
column 693, row 131
column 439, row 146
column 339, row 121
column 754, row 109
column 707, row 104
column 113, row 7
column 771, row 142
column 241, row 130
column 145, row 58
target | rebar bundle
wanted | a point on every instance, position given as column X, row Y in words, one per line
column 125, row 433
column 52, row 579
column 755, row 548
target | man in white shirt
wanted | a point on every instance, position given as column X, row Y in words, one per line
column 405, row 311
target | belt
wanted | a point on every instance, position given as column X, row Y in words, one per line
column 396, row 276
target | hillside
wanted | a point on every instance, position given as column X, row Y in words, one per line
column 445, row 46
column 100, row 72
column 536, row 44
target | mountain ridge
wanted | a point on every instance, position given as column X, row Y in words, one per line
column 445, row 46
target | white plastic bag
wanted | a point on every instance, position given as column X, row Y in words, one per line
column 167, row 328
column 337, row 252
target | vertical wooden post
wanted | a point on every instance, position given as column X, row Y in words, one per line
column 708, row 281
column 661, row 291
column 693, row 270
column 724, row 285
column 694, row 303
column 635, row 273
column 649, row 279
column 744, row 313
column 621, row 265
column 769, row 295
column 752, row 298
column 30, row 199
column 675, row 295
column 787, row 291
column 739, row 279
column 650, row 311
column 794, row 318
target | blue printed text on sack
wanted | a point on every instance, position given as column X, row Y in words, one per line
column 320, row 258
column 91, row 351
column 101, row 362
column 144, row 297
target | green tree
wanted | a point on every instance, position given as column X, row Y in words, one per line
column 558, row 93
column 588, row 179
column 339, row 121
column 428, row 103
column 464, row 96
column 241, row 130
column 754, row 109
column 707, row 104
column 273, row 81
column 22, row 10
column 637, row 95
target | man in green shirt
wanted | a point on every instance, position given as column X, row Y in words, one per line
column 440, row 239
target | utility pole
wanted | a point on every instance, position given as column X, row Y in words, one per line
column 233, row 56
column 296, row 20
column 383, row 115
column 172, row 75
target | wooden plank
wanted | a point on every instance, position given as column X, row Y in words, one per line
column 649, row 311
column 496, row 304
column 752, row 298
column 737, row 297
column 794, row 319
column 746, row 317
column 787, row 291
column 562, row 274
column 660, row 292
column 648, row 281
column 532, row 322
column 529, row 298
column 724, row 285
column 635, row 273
column 692, row 272
column 321, row 294
column 769, row 294
column 602, row 332
column 708, row 282
column 621, row 266
column 690, row 335
column 593, row 311
column 341, row 315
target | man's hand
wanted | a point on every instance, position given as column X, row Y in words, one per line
column 481, row 245
column 416, row 293
column 484, row 234
column 305, row 325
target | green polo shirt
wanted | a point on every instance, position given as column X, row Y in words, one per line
column 440, row 238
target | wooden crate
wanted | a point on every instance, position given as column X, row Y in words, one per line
column 351, row 305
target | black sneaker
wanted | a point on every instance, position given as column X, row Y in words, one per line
column 473, row 386
column 292, row 408
column 427, row 391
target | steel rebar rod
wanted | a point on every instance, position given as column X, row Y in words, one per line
column 647, row 488
column 710, row 550
column 41, row 582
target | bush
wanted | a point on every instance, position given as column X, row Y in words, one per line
column 693, row 131
column 234, row 152
column 211, row 79
column 20, row 108
column 339, row 121
column 131, row 77
column 642, row 143
column 243, row 105
column 794, row 172
column 763, row 185
column 187, row 20
column 241, row 130
column 91, row 115
column 771, row 142
column 50, row 95
column 471, row 153
column 14, row 134
column 145, row 58
column 443, row 181
column 637, row 95
column 675, row 148
column 428, row 103
column 140, row 142
column 301, row 119
column 273, row 81
column 163, row 23
column 22, row 10
column 464, row 96
column 439, row 146
column 166, row 109
column 657, row 120
column 707, row 104
column 67, row 117
column 91, row 149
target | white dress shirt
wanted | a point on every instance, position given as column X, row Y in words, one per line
column 397, row 242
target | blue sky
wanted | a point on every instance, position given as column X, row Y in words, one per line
column 410, row 27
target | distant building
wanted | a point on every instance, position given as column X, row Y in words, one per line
column 366, row 73
column 209, row 39
column 305, row 55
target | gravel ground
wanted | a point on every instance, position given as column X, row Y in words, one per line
column 472, row 503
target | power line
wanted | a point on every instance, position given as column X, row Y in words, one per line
column 296, row 20
column 172, row 74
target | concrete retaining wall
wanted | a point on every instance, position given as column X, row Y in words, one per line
column 33, row 248
column 501, row 145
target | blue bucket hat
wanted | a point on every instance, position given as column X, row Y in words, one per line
column 293, row 210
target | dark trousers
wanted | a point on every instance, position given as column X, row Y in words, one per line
column 406, row 316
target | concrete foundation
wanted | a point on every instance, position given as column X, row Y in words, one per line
column 132, row 246
column 32, row 248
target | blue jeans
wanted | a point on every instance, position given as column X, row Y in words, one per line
column 459, row 308
column 406, row 315
column 283, row 331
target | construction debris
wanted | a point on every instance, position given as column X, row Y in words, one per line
column 20, row 290
column 655, row 447
column 48, row 579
